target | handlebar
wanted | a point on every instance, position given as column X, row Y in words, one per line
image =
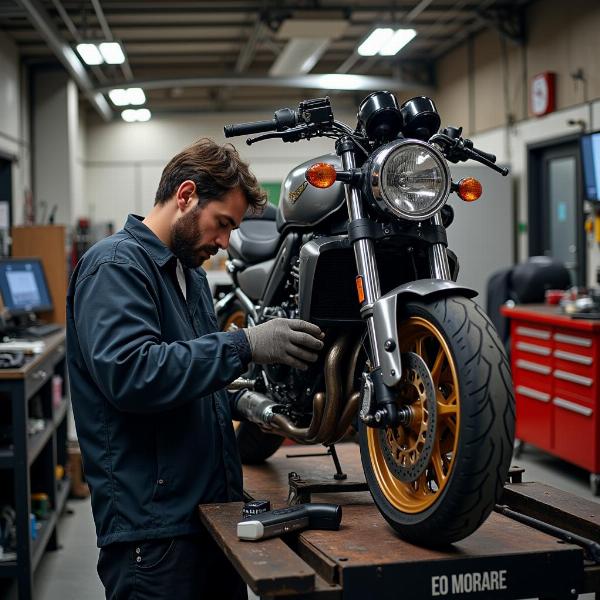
column 487, row 155
column 282, row 119
column 249, row 128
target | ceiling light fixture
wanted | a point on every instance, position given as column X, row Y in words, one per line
column 397, row 42
column 131, row 115
column 386, row 41
column 101, row 52
column 90, row 54
column 136, row 96
column 121, row 97
column 112, row 52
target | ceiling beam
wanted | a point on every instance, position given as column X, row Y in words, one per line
column 325, row 82
column 41, row 20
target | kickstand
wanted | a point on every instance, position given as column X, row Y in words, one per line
column 339, row 475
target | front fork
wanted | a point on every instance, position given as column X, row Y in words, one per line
column 385, row 356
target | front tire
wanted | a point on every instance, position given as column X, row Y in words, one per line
column 474, row 435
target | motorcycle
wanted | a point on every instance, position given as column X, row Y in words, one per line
column 358, row 246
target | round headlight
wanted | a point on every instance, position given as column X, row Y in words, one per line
column 409, row 178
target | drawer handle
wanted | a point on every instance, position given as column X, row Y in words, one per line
column 566, row 376
column 531, row 366
column 534, row 333
column 533, row 349
column 572, row 339
column 576, row 408
column 576, row 358
column 525, row 391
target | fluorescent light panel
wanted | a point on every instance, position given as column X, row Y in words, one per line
column 136, row 96
column 112, row 53
column 385, row 41
column 121, row 97
column 136, row 114
column 105, row 52
column 397, row 42
column 90, row 54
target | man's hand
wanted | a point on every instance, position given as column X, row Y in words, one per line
column 291, row 342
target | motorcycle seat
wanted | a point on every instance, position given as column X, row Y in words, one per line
column 255, row 241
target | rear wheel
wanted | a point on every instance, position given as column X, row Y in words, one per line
column 233, row 317
column 254, row 444
column 457, row 476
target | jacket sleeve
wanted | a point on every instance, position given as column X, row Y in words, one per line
column 118, row 330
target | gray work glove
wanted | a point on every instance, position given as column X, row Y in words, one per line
column 291, row 342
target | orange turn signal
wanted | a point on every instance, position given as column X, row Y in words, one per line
column 321, row 175
column 360, row 289
column 469, row 189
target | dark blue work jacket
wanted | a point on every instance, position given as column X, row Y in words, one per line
column 147, row 371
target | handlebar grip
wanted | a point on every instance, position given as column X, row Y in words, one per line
column 249, row 128
column 486, row 155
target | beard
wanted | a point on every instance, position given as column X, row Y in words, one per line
column 186, row 236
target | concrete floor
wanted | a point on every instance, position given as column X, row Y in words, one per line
column 70, row 573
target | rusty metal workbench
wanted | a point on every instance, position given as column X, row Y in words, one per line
column 366, row 559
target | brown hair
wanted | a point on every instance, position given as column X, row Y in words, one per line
column 215, row 170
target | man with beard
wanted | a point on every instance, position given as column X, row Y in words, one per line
column 147, row 371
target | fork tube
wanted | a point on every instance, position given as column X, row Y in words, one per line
column 438, row 257
column 364, row 253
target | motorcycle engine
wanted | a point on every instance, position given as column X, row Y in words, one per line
column 287, row 385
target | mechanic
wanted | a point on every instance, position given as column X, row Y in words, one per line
column 147, row 371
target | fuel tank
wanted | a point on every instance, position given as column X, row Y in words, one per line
column 301, row 204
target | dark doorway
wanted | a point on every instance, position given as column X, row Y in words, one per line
column 556, row 219
column 5, row 204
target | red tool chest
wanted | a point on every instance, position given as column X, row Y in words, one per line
column 555, row 363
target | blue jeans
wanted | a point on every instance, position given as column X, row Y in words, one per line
column 187, row 568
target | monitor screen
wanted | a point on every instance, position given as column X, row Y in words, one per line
column 590, row 162
column 23, row 285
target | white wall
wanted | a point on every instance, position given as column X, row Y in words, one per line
column 124, row 161
column 56, row 138
column 14, row 131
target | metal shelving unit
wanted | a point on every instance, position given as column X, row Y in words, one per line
column 33, row 458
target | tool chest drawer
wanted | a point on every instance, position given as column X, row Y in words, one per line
column 576, row 425
column 555, row 363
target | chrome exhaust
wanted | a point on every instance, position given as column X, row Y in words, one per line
column 331, row 415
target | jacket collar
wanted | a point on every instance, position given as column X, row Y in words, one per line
column 148, row 240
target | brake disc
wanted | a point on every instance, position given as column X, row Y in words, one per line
column 407, row 456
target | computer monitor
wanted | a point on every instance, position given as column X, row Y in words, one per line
column 23, row 286
column 590, row 162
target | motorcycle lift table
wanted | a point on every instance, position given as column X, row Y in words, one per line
column 366, row 559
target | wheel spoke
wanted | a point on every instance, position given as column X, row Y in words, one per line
column 436, row 370
column 446, row 410
column 451, row 425
column 420, row 347
column 438, row 467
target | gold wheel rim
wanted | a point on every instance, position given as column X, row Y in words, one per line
column 237, row 318
column 421, row 337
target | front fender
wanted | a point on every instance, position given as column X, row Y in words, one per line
column 385, row 312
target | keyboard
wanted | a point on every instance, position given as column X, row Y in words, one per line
column 43, row 330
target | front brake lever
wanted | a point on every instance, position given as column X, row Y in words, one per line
column 473, row 155
column 459, row 150
column 260, row 138
column 289, row 135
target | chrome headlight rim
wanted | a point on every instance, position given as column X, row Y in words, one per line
column 378, row 161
